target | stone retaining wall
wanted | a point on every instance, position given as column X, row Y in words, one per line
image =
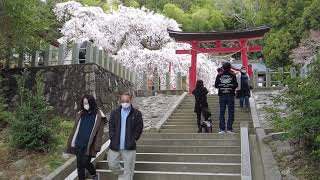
column 66, row 84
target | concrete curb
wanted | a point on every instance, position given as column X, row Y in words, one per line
column 245, row 152
column 254, row 113
column 168, row 113
column 270, row 166
column 68, row 170
column 63, row 171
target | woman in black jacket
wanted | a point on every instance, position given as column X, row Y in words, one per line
column 200, row 94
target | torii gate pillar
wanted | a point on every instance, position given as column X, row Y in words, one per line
column 193, row 67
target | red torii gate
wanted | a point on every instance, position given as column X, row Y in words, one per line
column 218, row 38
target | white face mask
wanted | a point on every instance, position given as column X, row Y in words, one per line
column 86, row 107
column 243, row 71
column 125, row 105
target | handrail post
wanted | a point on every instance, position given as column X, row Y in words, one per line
column 61, row 55
column 75, row 53
column 293, row 72
column 101, row 61
column 89, row 53
column 168, row 81
column 179, row 81
column 48, row 56
column 268, row 78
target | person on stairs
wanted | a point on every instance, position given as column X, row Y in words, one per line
column 243, row 89
column 201, row 102
column 226, row 82
column 86, row 137
column 125, row 129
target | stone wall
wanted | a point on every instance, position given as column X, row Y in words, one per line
column 66, row 84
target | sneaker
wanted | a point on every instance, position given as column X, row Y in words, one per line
column 221, row 132
column 199, row 131
column 230, row 131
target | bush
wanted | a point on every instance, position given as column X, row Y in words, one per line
column 31, row 128
column 5, row 116
column 303, row 123
column 62, row 131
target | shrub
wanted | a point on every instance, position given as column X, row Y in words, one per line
column 5, row 115
column 303, row 122
column 31, row 128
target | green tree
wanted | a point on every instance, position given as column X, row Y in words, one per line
column 100, row 3
column 25, row 27
column 311, row 15
column 277, row 48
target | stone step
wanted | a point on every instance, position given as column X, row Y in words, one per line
column 194, row 122
column 189, row 136
column 215, row 130
column 189, row 149
column 217, row 110
column 179, row 157
column 190, row 142
column 211, row 107
column 181, row 166
column 187, row 118
column 194, row 126
column 158, row 175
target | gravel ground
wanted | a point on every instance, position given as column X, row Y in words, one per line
column 264, row 99
column 154, row 107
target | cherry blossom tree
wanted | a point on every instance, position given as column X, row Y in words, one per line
column 137, row 38
column 307, row 49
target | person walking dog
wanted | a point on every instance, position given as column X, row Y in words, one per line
column 86, row 137
column 201, row 102
column 226, row 82
column 125, row 129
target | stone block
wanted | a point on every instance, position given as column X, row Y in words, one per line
column 90, row 68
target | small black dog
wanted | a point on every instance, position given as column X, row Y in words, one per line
column 206, row 125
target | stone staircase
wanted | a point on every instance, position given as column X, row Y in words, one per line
column 178, row 152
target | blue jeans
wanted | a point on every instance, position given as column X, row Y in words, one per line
column 225, row 101
column 245, row 100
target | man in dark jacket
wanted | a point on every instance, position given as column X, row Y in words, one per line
column 226, row 82
column 125, row 129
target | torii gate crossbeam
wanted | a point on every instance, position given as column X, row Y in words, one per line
column 218, row 38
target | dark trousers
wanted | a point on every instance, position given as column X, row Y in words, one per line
column 225, row 101
column 84, row 162
column 244, row 100
column 199, row 119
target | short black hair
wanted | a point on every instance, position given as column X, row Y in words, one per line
column 199, row 84
column 226, row 66
column 92, row 103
